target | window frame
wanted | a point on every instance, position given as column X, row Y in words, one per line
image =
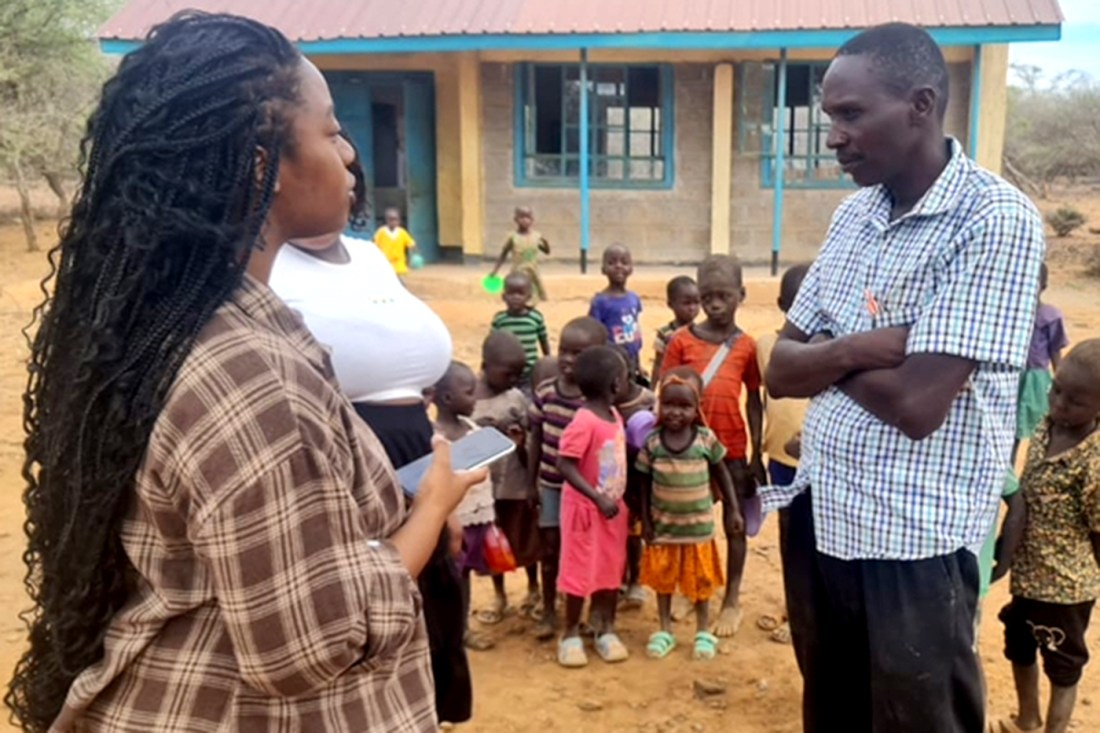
column 817, row 122
column 523, row 71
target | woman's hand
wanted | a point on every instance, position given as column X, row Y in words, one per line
column 442, row 488
column 439, row 493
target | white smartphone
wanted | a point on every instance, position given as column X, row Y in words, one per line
column 473, row 451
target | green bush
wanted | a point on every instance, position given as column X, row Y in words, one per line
column 1065, row 220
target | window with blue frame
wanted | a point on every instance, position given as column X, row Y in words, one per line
column 808, row 162
column 629, row 124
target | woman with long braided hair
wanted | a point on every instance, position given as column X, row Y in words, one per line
column 215, row 540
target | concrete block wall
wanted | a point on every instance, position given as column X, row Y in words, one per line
column 661, row 225
column 806, row 212
column 668, row 226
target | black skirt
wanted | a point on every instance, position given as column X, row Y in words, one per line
column 406, row 434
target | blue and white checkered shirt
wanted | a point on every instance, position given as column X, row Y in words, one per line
column 961, row 270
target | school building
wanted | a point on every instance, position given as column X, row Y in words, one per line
column 678, row 127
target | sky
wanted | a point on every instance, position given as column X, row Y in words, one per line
column 1078, row 49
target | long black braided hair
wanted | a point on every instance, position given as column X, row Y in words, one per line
column 172, row 202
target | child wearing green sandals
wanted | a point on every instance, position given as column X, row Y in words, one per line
column 681, row 460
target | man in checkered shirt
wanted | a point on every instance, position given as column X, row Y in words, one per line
column 908, row 333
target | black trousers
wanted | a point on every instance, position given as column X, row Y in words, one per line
column 884, row 646
column 406, row 434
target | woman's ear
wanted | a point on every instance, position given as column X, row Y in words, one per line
column 259, row 167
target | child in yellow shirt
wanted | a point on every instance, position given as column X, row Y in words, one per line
column 782, row 430
column 395, row 242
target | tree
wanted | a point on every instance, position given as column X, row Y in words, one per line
column 50, row 74
column 1053, row 128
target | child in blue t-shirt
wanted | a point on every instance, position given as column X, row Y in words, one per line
column 618, row 308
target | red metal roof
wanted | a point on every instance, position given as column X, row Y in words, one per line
column 312, row 20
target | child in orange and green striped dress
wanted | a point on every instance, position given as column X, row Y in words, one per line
column 681, row 458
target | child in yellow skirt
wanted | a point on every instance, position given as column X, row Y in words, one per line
column 681, row 459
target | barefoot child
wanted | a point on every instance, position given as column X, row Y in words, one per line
column 725, row 357
column 782, row 428
column 681, row 460
column 1052, row 539
column 523, row 320
column 453, row 397
column 504, row 407
column 592, row 462
column 395, row 242
column 617, row 308
column 683, row 300
column 555, row 403
column 524, row 246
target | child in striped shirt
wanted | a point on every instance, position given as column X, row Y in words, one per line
column 523, row 320
column 555, row 402
column 681, row 460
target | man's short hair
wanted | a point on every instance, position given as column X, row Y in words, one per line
column 905, row 56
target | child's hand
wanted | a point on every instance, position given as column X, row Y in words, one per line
column 732, row 522
column 794, row 446
column 608, row 508
column 647, row 530
column 1000, row 567
column 454, row 536
column 758, row 472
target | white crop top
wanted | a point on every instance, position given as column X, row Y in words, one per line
column 386, row 343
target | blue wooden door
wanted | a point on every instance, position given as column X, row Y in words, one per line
column 422, row 215
column 352, row 99
column 360, row 97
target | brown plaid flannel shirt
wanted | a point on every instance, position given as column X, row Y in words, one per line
column 267, row 598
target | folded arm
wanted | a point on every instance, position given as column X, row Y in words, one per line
column 801, row 366
column 916, row 396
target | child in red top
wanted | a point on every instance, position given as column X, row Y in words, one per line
column 592, row 462
column 721, row 292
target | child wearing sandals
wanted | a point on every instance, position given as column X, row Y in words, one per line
column 454, row 401
column 592, row 462
column 682, row 459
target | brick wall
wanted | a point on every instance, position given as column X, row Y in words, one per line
column 658, row 225
column 806, row 212
column 671, row 226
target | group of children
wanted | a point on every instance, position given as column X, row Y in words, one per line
column 614, row 485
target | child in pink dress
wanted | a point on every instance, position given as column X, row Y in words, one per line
column 592, row 462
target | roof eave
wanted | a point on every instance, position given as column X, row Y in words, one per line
column 684, row 41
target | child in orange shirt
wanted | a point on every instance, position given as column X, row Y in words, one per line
column 395, row 242
column 725, row 358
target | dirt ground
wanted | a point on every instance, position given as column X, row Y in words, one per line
column 518, row 686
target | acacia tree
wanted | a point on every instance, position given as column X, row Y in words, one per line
column 50, row 74
column 1053, row 129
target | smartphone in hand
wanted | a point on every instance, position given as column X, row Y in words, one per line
column 470, row 452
